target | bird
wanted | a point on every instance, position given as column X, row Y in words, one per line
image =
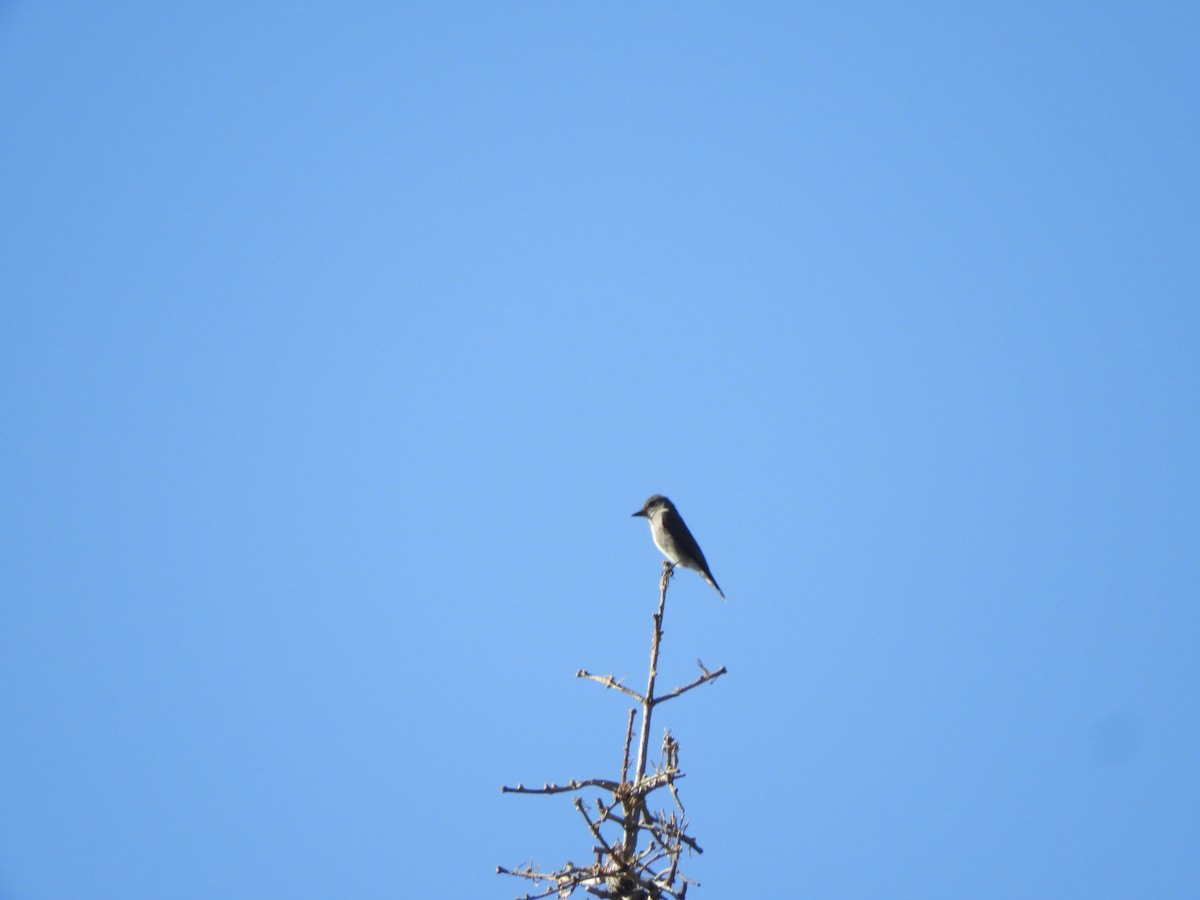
column 672, row 537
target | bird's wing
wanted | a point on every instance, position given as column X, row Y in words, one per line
column 675, row 524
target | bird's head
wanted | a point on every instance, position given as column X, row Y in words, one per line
column 655, row 505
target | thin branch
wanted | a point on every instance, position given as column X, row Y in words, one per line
column 610, row 682
column 678, row 802
column 703, row 679
column 593, row 827
column 631, row 831
column 606, row 812
column 651, row 855
column 571, row 785
column 533, row 875
column 570, row 876
column 549, row 892
column 664, row 832
column 652, row 783
column 628, row 741
column 670, row 873
column 530, row 873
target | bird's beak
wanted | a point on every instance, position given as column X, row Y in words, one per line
column 642, row 513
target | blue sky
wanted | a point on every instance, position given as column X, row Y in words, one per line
column 338, row 344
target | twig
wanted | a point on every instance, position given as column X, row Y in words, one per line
column 703, row 679
column 571, row 785
column 593, row 827
column 532, row 875
column 628, row 741
column 664, row 832
column 652, row 783
column 610, row 682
